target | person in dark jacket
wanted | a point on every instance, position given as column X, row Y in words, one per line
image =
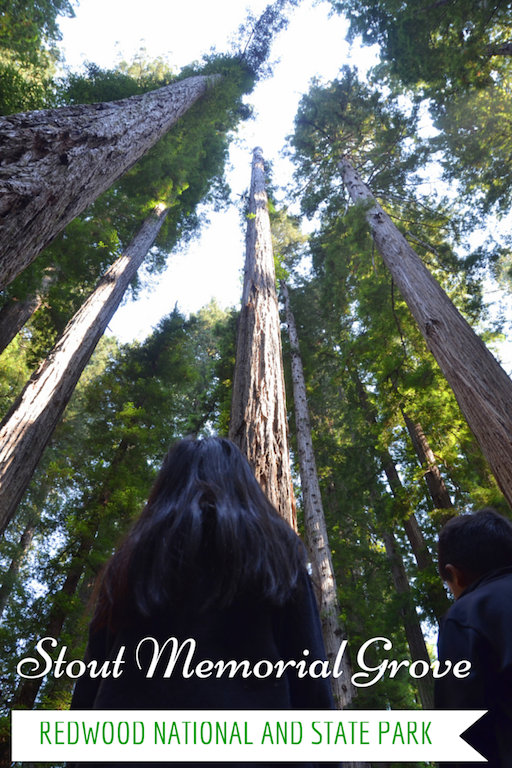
column 211, row 565
column 475, row 560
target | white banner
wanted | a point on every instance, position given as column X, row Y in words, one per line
column 242, row 735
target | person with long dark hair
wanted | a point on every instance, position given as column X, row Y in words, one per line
column 210, row 564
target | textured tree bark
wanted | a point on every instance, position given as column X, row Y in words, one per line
column 433, row 478
column 314, row 519
column 54, row 163
column 28, row 427
column 481, row 386
column 413, row 633
column 11, row 574
column 258, row 409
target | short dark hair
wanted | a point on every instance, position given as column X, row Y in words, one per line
column 477, row 543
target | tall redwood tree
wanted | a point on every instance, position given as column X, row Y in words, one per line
column 56, row 162
column 258, row 410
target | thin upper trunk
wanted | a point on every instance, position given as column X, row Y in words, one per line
column 56, row 162
column 438, row 601
column 28, row 688
column 14, row 315
column 502, row 49
column 28, row 427
column 433, row 478
column 258, row 409
column 434, row 589
column 481, row 386
column 413, row 633
column 314, row 519
column 11, row 574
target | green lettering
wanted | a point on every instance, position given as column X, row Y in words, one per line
column 59, row 731
column 90, row 734
column 384, row 727
column 313, row 724
column 398, row 734
column 267, row 733
column 45, row 729
column 174, row 733
column 340, row 734
column 246, row 735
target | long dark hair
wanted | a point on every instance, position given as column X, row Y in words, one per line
column 207, row 535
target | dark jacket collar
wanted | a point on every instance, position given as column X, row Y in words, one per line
column 490, row 576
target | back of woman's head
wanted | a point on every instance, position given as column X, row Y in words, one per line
column 207, row 535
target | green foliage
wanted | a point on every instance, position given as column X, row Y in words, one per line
column 348, row 118
column 15, row 372
column 28, row 33
column 454, row 58
column 28, row 26
column 441, row 46
column 259, row 34
column 476, row 141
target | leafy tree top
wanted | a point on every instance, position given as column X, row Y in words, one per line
column 441, row 45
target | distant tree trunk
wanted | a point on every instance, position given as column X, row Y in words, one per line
column 314, row 519
column 28, row 427
column 437, row 598
column 16, row 313
column 433, row 478
column 503, row 49
column 413, row 633
column 438, row 601
column 28, row 688
column 56, row 162
column 481, row 386
column 258, row 408
column 10, row 575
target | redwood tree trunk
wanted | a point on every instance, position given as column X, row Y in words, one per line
column 481, row 386
column 413, row 633
column 437, row 598
column 28, row 688
column 55, row 162
column 258, row 409
column 503, row 49
column 433, row 478
column 438, row 602
column 14, row 315
column 28, row 427
column 314, row 519
column 9, row 578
